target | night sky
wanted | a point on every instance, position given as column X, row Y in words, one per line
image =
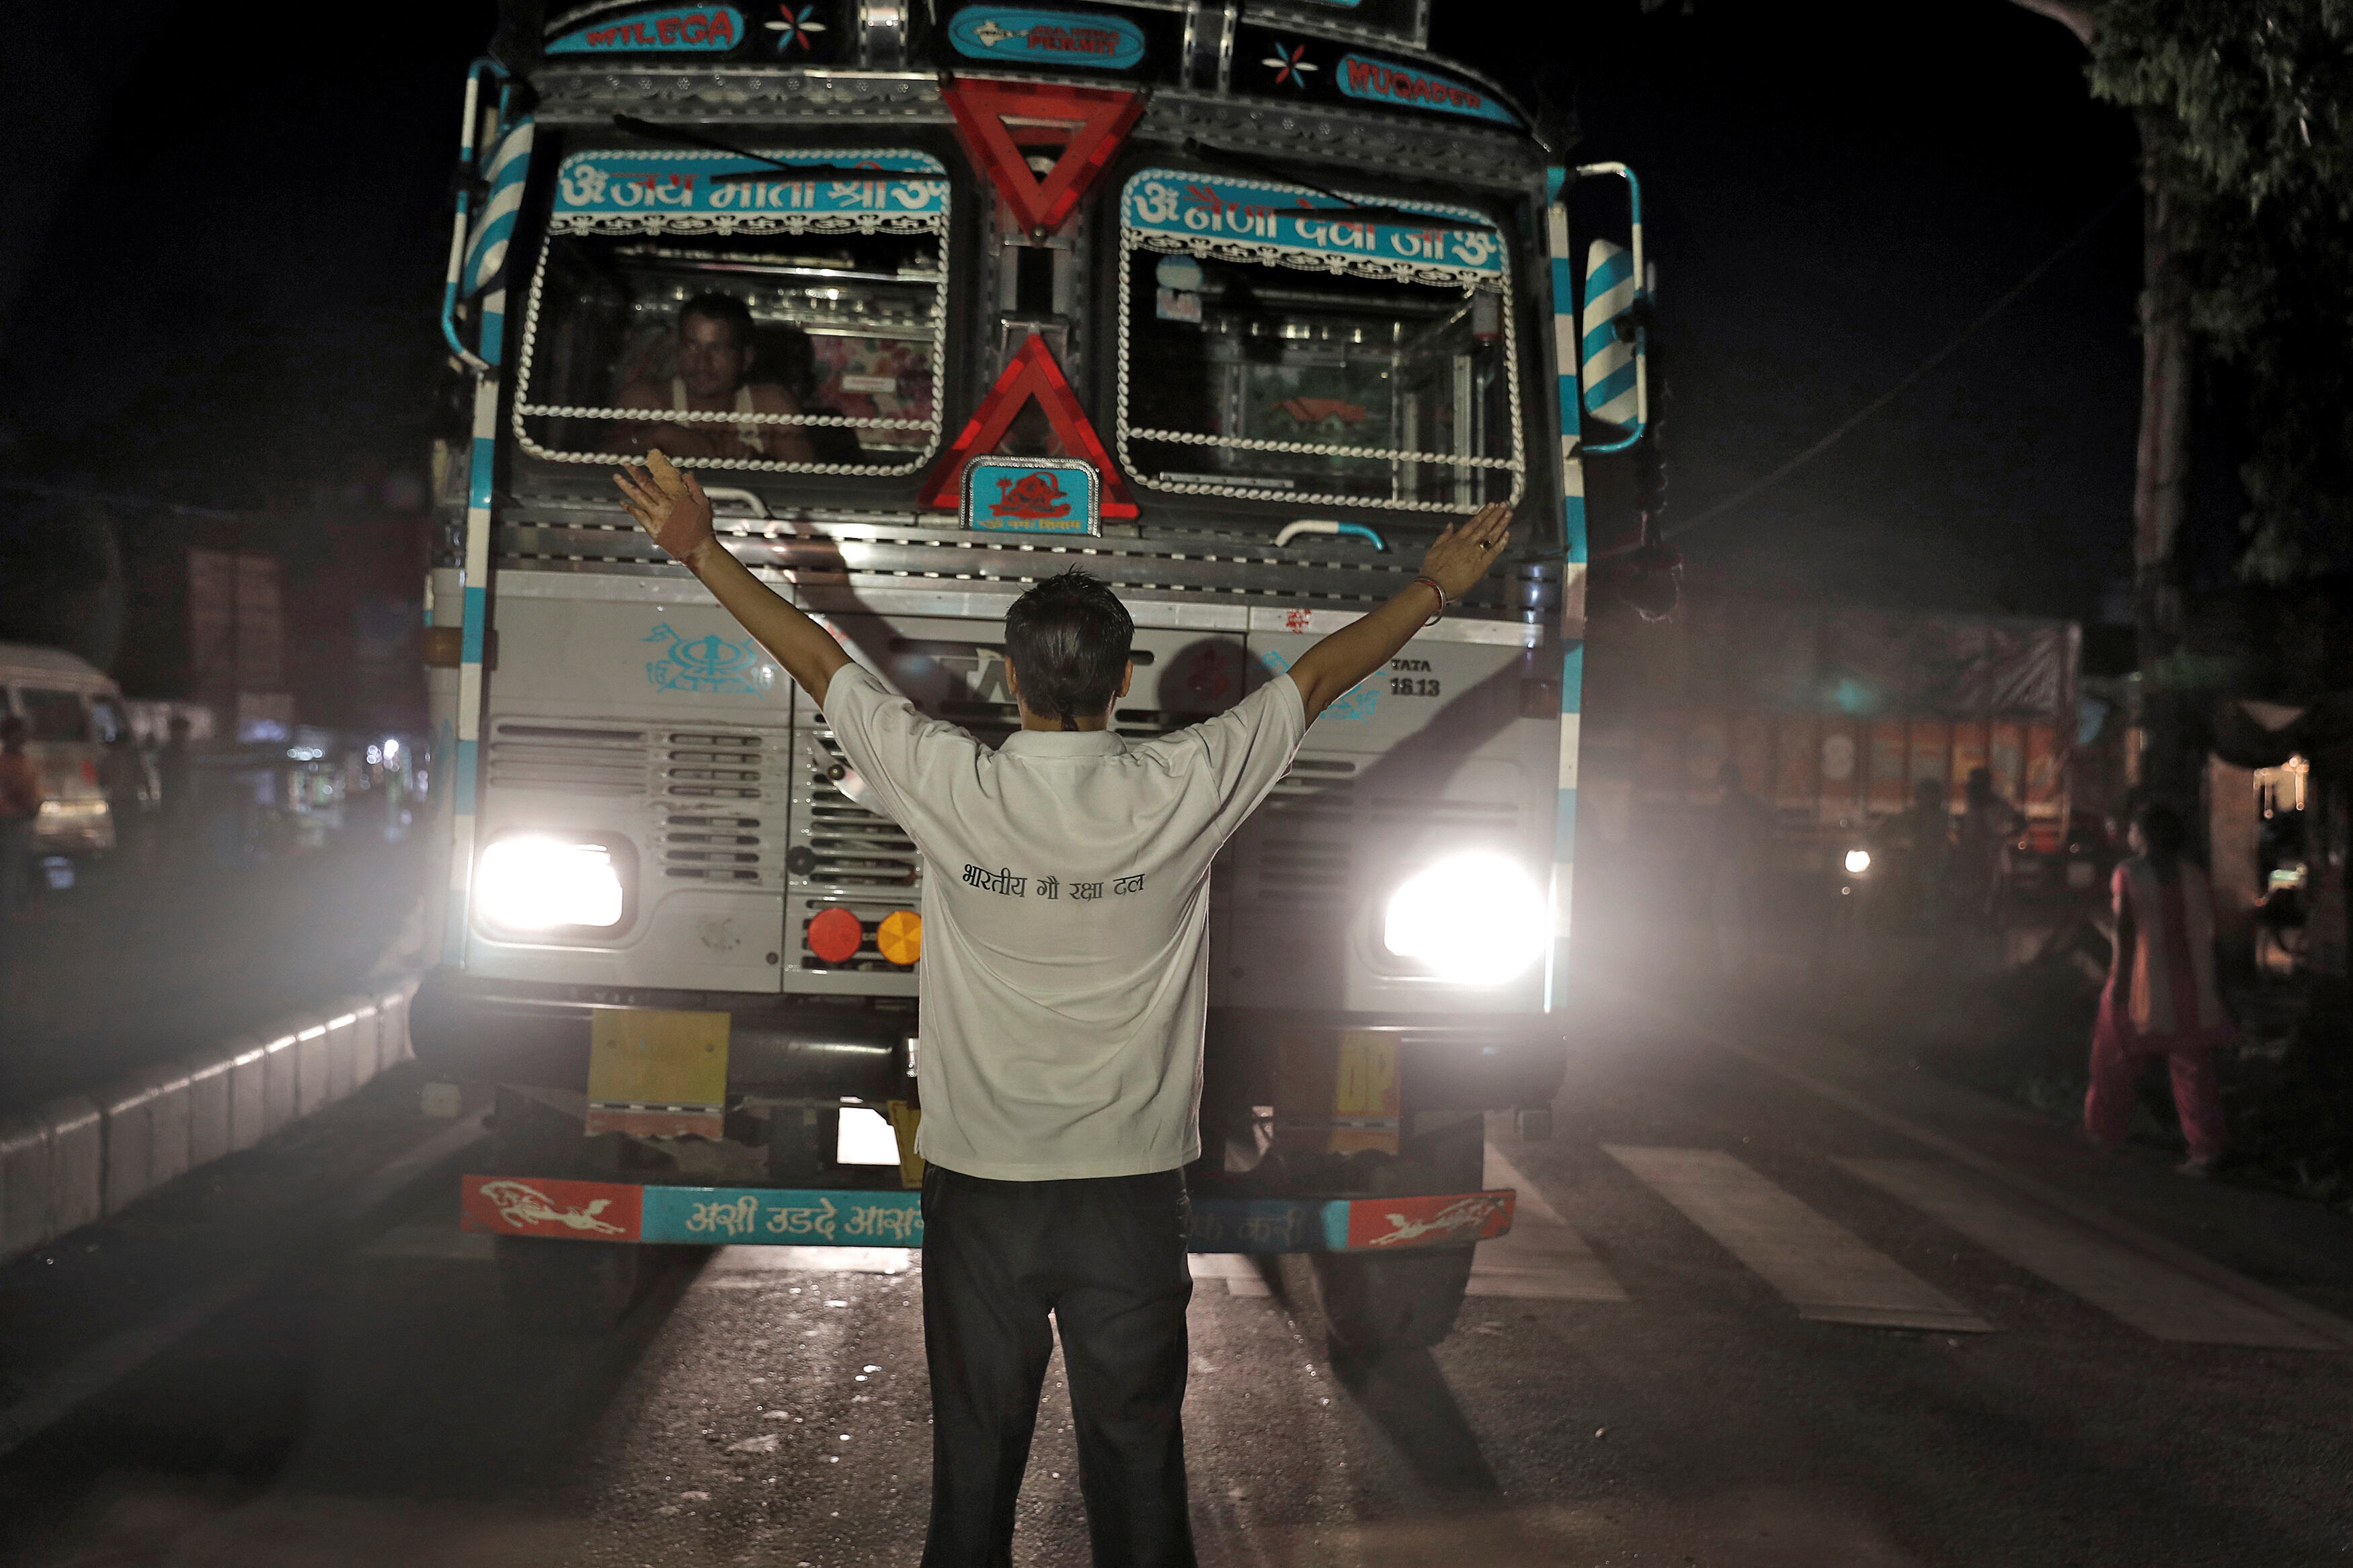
column 235, row 298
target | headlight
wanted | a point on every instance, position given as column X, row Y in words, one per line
column 1476, row 919
column 537, row 882
column 1858, row 861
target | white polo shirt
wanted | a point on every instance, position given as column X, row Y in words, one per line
column 1066, row 912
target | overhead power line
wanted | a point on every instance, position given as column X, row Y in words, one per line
column 1847, row 425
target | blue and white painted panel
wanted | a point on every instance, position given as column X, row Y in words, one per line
column 1606, row 352
column 1027, row 37
column 1414, row 87
column 665, row 30
column 620, row 189
column 1248, row 219
column 486, row 255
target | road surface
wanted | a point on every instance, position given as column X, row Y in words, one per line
column 1741, row 1324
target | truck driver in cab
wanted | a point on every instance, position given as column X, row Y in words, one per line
column 714, row 376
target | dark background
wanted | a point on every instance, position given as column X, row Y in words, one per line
column 231, row 243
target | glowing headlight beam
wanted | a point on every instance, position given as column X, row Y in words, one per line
column 1475, row 919
column 531, row 883
column 1858, row 861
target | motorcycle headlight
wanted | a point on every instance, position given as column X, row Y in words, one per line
column 1475, row 919
column 543, row 883
column 1858, row 861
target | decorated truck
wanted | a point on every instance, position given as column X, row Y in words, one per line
column 1232, row 305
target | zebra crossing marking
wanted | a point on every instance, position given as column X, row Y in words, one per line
column 1541, row 1258
column 2159, row 1300
column 1818, row 1266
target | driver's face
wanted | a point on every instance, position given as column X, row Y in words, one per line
column 709, row 360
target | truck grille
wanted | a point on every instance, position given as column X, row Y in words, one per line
column 717, row 798
column 1322, row 831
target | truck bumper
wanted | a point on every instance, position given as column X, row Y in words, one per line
column 517, row 1032
column 1463, row 1062
column 627, row 1212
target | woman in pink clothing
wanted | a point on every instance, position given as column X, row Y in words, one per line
column 2160, row 998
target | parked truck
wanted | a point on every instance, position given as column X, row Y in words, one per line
column 1233, row 305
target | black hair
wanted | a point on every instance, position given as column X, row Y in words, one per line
column 1067, row 639
column 2165, row 830
column 721, row 307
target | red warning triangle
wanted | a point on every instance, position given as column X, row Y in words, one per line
column 995, row 120
column 1032, row 373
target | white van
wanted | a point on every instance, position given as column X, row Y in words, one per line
column 71, row 711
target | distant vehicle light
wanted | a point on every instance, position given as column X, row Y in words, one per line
column 1858, row 861
column 533, row 883
column 1475, row 919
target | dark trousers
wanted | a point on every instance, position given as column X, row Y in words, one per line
column 1106, row 1256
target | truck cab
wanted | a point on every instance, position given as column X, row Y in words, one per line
column 1231, row 306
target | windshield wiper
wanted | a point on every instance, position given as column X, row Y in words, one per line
column 653, row 133
column 1349, row 207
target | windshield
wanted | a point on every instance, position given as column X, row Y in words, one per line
column 806, row 340
column 1341, row 359
column 52, row 715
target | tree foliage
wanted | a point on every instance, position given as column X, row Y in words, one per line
column 2246, row 111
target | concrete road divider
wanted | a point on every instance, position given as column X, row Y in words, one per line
column 392, row 1033
column 74, row 1160
column 24, row 1185
column 52, row 1168
column 343, row 1027
column 146, row 1134
column 249, row 1091
column 209, row 1073
column 367, row 1049
column 311, row 1075
column 280, row 1099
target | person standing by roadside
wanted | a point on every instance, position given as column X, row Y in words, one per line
column 20, row 804
column 122, row 775
column 175, row 778
column 1917, row 842
column 1982, row 837
column 2160, row 998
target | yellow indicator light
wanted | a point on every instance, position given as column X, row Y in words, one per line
column 900, row 938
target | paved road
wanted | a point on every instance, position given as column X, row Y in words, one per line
column 1683, row 1356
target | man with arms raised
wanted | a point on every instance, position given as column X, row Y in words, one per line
column 1066, row 896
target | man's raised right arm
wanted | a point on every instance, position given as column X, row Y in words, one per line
column 669, row 504
column 1455, row 563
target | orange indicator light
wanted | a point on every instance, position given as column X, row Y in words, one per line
column 901, row 937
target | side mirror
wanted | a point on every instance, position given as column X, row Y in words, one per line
column 1613, row 349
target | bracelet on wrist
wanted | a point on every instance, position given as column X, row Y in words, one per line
column 1444, row 604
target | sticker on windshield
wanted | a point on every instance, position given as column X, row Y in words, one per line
column 620, row 189
column 1262, row 221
